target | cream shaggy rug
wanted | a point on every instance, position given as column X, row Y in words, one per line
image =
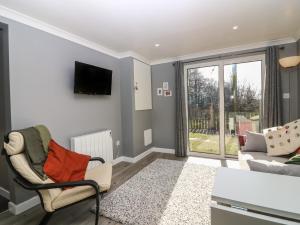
column 166, row 192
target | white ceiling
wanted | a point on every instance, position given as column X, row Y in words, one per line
column 181, row 27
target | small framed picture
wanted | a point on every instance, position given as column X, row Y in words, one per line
column 159, row 91
column 165, row 86
column 167, row 93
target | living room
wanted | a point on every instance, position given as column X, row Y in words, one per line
column 183, row 107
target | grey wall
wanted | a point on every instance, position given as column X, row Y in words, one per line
column 41, row 79
column 163, row 113
column 142, row 120
column 290, row 84
column 126, row 69
column 41, row 85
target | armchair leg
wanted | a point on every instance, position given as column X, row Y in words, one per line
column 46, row 219
column 97, row 209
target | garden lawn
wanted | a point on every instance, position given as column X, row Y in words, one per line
column 209, row 143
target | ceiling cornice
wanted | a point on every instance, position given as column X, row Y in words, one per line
column 30, row 21
column 38, row 24
column 134, row 55
column 225, row 50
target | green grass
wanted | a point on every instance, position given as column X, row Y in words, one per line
column 209, row 143
column 231, row 145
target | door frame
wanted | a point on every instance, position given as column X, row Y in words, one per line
column 6, row 183
column 221, row 63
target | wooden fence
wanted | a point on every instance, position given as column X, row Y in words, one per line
column 207, row 122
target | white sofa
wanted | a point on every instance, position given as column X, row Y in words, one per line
column 244, row 156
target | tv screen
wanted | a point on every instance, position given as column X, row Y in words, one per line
column 92, row 80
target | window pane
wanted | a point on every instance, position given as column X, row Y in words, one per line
column 242, row 93
column 203, row 109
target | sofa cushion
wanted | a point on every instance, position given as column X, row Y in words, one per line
column 274, row 167
column 101, row 174
column 244, row 156
column 285, row 140
column 255, row 142
column 271, row 129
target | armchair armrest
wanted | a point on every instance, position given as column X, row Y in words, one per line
column 97, row 159
column 30, row 186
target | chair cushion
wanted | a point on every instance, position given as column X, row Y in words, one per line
column 101, row 174
column 16, row 140
column 21, row 165
column 16, row 143
column 63, row 165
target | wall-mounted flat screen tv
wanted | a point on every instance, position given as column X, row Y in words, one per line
column 92, row 80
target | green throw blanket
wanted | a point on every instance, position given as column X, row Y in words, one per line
column 294, row 160
column 45, row 136
column 36, row 140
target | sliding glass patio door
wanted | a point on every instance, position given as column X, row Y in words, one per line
column 204, row 109
column 223, row 102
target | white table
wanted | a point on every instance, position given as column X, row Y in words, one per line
column 254, row 196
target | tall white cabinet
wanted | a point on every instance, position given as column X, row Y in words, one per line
column 136, row 101
column 142, row 85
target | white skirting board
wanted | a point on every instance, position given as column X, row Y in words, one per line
column 17, row 209
column 4, row 193
column 142, row 155
column 22, row 207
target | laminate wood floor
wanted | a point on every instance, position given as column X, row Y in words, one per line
column 79, row 214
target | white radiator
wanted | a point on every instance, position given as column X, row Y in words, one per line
column 99, row 144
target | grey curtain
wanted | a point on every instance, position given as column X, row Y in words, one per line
column 272, row 106
column 181, row 118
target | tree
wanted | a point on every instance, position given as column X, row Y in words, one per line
column 203, row 97
column 238, row 97
column 202, row 91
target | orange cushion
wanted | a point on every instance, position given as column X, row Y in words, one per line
column 63, row 165
column 297, row 152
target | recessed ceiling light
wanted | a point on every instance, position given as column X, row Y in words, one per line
column 235, row 27
column 157, row 45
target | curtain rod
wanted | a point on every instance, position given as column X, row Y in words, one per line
column 223, row 56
